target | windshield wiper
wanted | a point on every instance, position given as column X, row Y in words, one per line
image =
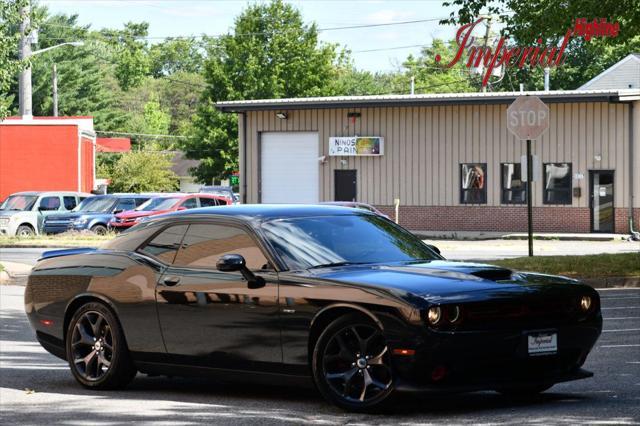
column 329, row 265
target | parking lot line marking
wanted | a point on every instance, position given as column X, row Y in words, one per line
column 620, row 331
column 633, row 362
column 620, row 318
column 624, row 307
column 619, row 289
column 620, row 298
column 619, row 346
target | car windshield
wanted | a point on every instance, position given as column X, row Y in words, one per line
column 310, row 242
column 96, row 205
column 156, row 204
column 19, row 202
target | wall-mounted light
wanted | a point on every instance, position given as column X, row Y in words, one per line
column 282, row 115
column 597, row 157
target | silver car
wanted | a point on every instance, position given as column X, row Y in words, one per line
column 22, row 214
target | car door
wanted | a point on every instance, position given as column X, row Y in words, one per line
column 189, row 203
column 47, row 206
column 213, row 318
column 123, row 205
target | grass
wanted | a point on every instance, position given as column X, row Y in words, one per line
column 67, row 239
column 589, row 266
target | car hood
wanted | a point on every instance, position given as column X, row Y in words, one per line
column 440, row 280
column 137, row 213
column 14, row 212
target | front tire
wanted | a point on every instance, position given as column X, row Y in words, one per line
column 99, row 229
column 25, row 231
column 352, row 366
column 96, row 349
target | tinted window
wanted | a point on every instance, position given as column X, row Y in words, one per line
column 69, row 202
column 19, row 202
column 557, row 183
column 473, row 182
column 165, row 245
column 205, row 243
column 191, row 203
column 514, row 190
column 125, row 204
column 140, row 201
column 208, row 202
column 313, row 241
column 49, row 203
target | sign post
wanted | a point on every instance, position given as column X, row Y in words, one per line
column 527, row 119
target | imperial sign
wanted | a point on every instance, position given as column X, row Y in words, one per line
column 527, row 117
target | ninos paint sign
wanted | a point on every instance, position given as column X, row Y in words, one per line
column 356, row 146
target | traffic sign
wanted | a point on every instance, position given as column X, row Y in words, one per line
column 527, row 117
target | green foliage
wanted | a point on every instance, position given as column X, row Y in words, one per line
column 130, row 53
column 10, row 65
column 176, row 55
column 526, row 20
column 140, row 171
column 271, row 53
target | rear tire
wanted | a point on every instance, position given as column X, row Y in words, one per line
column 352, row 366
column 25, row 231
column 99, row 229
column 96, row 349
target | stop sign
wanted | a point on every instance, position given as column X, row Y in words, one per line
column 527, row 117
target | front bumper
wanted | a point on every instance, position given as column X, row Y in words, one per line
column 488, row 360
column 8, row 229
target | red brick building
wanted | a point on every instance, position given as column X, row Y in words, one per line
column 448, row 158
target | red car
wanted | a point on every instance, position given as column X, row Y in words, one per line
column 165, row 204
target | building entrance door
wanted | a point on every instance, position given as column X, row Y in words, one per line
column 601, row 195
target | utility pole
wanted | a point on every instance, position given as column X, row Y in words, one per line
column 486, row 44
column 55, row 91
column 413, row 85
column 24, row 84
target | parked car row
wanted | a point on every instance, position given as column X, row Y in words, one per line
column 26, row 214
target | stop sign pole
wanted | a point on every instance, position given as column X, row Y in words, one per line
column 527, row 119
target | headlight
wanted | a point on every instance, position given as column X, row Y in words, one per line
column 434, row 315
column 585, row 303
column 80, row 221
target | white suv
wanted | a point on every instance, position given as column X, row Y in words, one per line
column 22, row 214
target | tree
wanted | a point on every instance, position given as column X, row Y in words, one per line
column 526, row 20
column 271, row 53
column 141, row 171
column 130, row 53
column 176, row 55
column 9, row 62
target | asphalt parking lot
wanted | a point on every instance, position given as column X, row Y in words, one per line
column 37, row 388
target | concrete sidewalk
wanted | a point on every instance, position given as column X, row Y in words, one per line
column 486, row 235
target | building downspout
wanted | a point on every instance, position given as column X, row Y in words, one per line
column 243, row 160
column 635, row 235
column 79, row 159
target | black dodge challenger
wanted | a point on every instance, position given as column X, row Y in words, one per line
column 338, row 297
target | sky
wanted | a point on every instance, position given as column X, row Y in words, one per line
column 381, row 48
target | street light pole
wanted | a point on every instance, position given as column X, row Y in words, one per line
column 55, row 91
column 24, row 84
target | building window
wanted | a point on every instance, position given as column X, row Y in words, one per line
column 557, row 183
column 514, row 190
column 473, row 183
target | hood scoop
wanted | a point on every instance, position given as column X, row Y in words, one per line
column 493, row 274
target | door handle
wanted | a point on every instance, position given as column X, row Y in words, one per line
column 171, row 281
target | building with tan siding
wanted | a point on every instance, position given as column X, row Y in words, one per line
column 448, row 159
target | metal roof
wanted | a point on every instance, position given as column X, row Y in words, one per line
column 555, row 96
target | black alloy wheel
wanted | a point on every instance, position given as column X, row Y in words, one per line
column 99, row 229
column 351, row 365
column 96, row 349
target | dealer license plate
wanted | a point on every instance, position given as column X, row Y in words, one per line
column 543, row 343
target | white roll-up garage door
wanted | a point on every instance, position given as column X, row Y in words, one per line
column 289, row 167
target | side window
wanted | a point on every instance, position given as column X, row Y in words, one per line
column 473, row 183
column 557, row 183
column 49, row 203
column 191, row 203
column 140, row 201
column 204, row 244
column 208, row 202
column 125, row 204
column 165, row 245
column 69, row 202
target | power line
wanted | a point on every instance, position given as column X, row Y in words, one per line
column 141, row 134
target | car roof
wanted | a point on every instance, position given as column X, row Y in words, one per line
column 52, row 193
column 263, row 212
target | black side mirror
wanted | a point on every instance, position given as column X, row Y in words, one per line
column 235, row 262
column 116, row 211
column 434, row 248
